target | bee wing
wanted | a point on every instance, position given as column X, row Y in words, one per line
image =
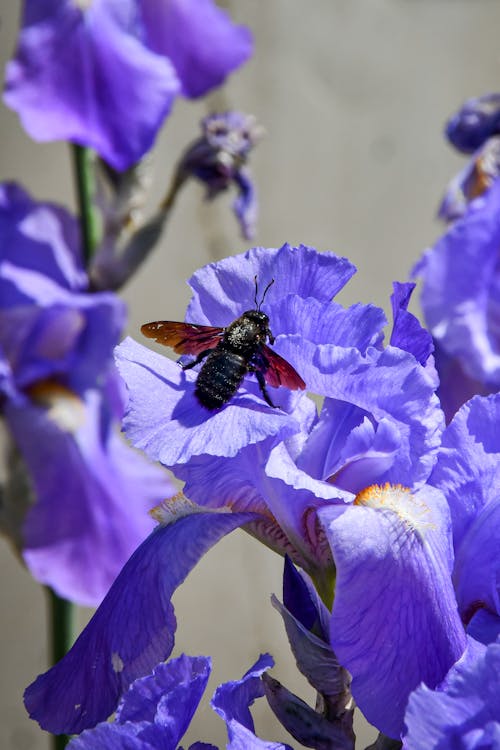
column 277, row 371
column 184, row 338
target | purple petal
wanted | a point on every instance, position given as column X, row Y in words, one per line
column 468, row 472
column 294, row 498
column 298, row 590
column 477, row 565
column 407, row 333
column 224, row 290
column 460, row 291
column 112, row 737
column 358, row 326
column 394, row 620
column 167, row 699
column 455, row 385
column 92, row 496
column 82, row 75
column 132, row 630
column 49, row 326
column 297, row 597
column 165, row 419
column 464, row 714
column 468, row 466
column 213, row 481
column 484, row 627
column 476, row 120
column 42, row 237
column 156, row 710
column 390, row 390
column 245, row 205
column 232, row 700
column 200, row 40
column 241, row 738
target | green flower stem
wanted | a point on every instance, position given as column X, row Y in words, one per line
column 61, row 614
column 85, row 188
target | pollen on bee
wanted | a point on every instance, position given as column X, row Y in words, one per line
column 400, row 500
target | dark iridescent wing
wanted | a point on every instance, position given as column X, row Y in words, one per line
column 184, row 338
column 277, row 371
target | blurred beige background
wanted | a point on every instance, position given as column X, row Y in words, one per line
column 353, row 95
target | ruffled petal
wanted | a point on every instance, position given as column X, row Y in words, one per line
column 407, row 332
column 390, row 389
column 468, row 466
column 466, row 711
column 223, row 290
column 232, row 701
column 165, row 419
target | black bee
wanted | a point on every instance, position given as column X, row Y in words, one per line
column 229, row 353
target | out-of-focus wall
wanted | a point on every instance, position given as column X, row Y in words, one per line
column 353, row 95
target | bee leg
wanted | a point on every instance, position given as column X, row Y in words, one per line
column 201, row 356
column 262, row 384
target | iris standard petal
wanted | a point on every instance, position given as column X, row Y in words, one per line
column 223, row 290
column 389, row 388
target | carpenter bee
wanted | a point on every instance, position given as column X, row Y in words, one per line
column 228, row 354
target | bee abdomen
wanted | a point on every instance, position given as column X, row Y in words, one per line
column 219, row 378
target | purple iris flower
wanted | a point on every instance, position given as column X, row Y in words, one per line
column 61, row 399
column 460, row 300
column 105, row 73
column 218, row 159
column 464, row 713
column 468, row 472
column 276, row 472
column 380, row 422
column 156, row 711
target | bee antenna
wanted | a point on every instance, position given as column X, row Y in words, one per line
column 265, row 292
column 255, row 295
